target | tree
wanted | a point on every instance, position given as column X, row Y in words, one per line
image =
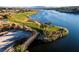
column 48, row 23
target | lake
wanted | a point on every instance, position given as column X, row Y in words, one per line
column 70, row 21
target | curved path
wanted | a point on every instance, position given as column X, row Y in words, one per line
column 31, row 39
column 27, row 43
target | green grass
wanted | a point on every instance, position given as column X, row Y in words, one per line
column 53, row 28
column 32, row 24
column 19, row 18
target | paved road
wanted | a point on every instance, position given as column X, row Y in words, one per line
column 31, row 39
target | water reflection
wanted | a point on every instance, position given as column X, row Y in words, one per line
column 70, row 21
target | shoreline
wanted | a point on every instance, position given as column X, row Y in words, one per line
column 55, row 36
column 58, row 36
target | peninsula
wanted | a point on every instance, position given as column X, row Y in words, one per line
column 19, row 19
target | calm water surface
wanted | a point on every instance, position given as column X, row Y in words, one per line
column 70, row 21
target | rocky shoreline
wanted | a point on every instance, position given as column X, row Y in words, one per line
column 55, row 35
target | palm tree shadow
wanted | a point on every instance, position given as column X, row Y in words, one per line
column 15, row 36
column 5, row 47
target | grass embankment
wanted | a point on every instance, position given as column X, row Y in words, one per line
column 45, row 29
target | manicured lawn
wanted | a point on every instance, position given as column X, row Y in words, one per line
column 53, row 28
column 21, row 17
column 32, row 24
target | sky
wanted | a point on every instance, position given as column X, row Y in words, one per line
column 27, row 3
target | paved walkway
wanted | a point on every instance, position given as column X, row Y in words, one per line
column 8, row 39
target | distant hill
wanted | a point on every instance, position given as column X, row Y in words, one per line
column 69, row 9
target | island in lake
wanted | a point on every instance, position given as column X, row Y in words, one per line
column 31, row 29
